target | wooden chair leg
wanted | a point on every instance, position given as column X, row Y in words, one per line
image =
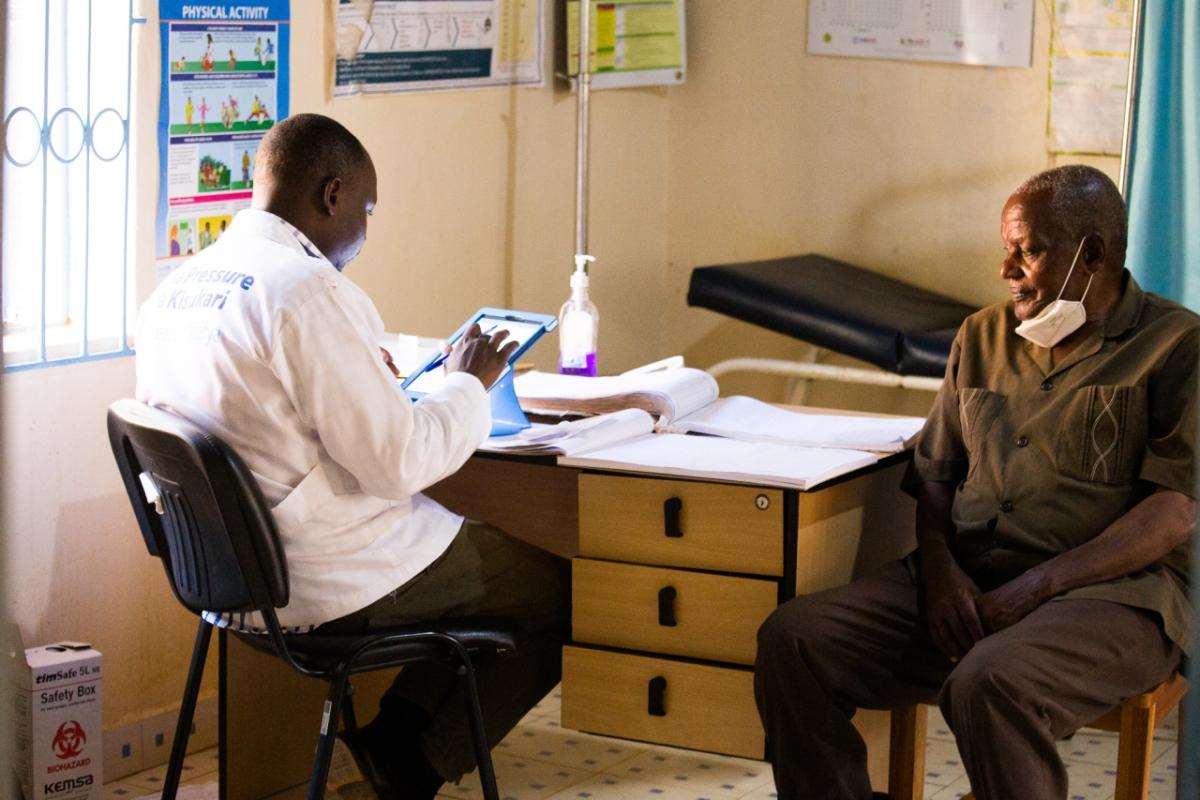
column 1181, row 748
column 906, row 756
column 1133, row 751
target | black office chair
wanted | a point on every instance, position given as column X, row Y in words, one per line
column 218, row 544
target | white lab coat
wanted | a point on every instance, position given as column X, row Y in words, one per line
column 261, row 341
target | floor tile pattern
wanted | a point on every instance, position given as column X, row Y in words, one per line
column 540, row 760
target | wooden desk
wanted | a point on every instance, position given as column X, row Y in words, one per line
column 743, row 550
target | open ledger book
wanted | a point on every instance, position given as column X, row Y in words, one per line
column 746, row 440
column 685, row 401
column 625, row 441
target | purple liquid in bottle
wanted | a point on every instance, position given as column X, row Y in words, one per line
column 589, row 370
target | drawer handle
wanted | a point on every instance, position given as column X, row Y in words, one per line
column 666, row 606
column 671, row 509
column 656, row 704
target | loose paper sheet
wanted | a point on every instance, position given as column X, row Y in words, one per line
column 752, row 420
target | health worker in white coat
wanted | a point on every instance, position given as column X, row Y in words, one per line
column 262, row 340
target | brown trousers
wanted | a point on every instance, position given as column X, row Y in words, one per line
column 484, row 572
column 867, row 645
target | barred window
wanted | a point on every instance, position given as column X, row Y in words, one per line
column 68, row 94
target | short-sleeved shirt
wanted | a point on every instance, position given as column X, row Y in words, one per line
column 1046, row 457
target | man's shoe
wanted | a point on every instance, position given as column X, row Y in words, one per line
column 360, row 744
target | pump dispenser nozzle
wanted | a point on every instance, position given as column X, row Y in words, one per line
column 579, row 278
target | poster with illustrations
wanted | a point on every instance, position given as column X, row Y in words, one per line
column 390, row 46
column 225, row 83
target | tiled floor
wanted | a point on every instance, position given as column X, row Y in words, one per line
column 541, row 761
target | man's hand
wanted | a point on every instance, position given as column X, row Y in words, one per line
column 1012, row 602
column 949, row 593
column 387, row 359
column 481, row 355
column 950, row 598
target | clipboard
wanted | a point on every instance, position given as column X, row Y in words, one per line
column 522, row 326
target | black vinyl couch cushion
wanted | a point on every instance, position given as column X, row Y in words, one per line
column 838, row 306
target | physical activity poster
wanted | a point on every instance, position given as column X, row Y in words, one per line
column 224, row 84
column 997, row 33
column 633, row 42
column 422, row 45
column 1089, row 71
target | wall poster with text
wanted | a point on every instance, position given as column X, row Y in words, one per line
column 224, row 84
column 392, row 46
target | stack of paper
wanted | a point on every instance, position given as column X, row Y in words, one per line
column 755, row 421
column 759, row 463
column 668, row 394
column 578, row 436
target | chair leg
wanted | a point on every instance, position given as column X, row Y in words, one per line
column 183, row 728
column 329, row 726
column 1182, row 746
column 1133, row 752
column 349, row 718
column 906, row 755
column 483, row 754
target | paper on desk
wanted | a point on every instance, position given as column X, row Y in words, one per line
column 761, row 463
column 670, row 394
column 748, row 419
column 572, row 438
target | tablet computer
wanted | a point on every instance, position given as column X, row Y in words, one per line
column 523, row 327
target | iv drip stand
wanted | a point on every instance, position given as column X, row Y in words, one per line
column 583, row 88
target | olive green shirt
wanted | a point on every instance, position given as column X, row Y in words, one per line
column 1047, row 457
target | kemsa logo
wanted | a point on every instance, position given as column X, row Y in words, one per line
column 69, row 739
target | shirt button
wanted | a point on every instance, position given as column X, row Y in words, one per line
column 1006, row 506
column 1022, row 441
column 1047, row 385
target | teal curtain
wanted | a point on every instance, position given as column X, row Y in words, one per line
column 1163, row 187
column 1163, row 192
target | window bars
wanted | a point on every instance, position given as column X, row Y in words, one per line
column 68, row 96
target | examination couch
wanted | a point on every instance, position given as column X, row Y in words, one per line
column 837, row 306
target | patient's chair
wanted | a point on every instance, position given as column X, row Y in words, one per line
column 1133, row 720
column 201, row 512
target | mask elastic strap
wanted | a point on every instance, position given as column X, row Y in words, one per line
column 1074, row 261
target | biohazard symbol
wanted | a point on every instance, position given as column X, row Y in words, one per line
column 69, row 740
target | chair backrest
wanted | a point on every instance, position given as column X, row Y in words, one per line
column 210, row 525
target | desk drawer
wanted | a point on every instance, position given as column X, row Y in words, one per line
column 671, row 611
column 681, row 523
column 701, row 707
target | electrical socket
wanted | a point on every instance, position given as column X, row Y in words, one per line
column 123, row 751
column 157, row 734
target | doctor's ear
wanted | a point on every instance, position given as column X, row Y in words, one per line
column 331, row 192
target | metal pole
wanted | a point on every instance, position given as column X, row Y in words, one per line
column 1135, row 35
column 582, row 99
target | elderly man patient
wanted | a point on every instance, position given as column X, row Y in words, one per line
column 1054, row 481
column 264, row 341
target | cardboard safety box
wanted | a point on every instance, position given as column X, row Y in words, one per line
column 60, row 751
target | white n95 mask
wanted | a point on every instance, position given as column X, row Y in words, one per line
column 1061, row 318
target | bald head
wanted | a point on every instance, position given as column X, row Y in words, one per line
column 317, row 175
column 1082, row 201
column 300, row 154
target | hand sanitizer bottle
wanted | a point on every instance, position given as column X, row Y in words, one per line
column 577, row 324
